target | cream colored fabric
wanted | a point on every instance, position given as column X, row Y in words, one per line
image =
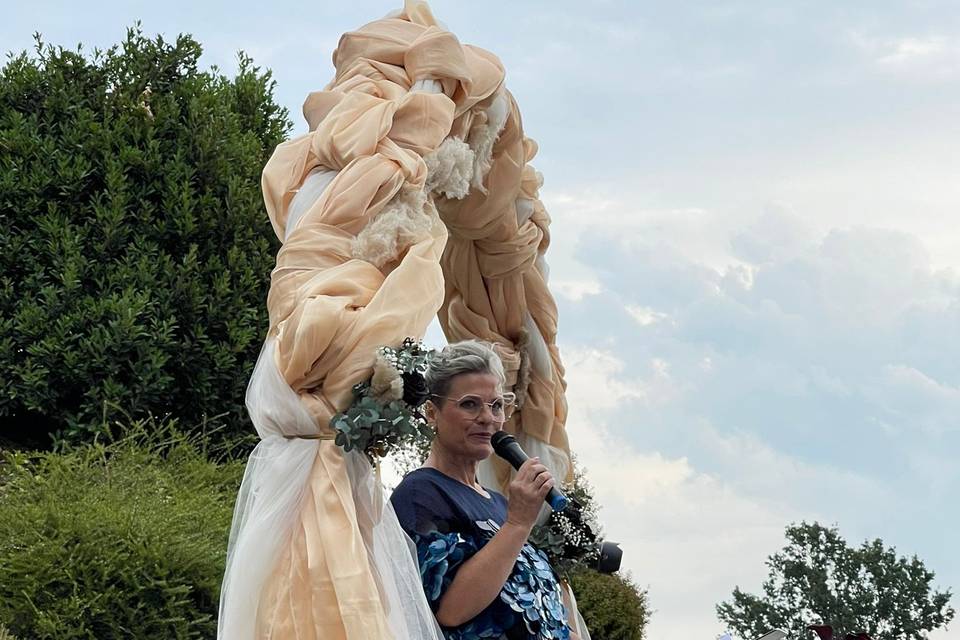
column 496, row 279
column 360, row 267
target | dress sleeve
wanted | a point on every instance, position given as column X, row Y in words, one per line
column 440, row 556
column 424, row 513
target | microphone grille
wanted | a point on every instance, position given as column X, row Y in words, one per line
column 501, row 439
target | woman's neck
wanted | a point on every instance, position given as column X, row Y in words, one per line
column 461, row 469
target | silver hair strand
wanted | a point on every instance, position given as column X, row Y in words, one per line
column 468, row 356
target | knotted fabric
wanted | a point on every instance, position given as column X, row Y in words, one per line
column 315, row 550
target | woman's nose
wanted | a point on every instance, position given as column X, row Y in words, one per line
column 486, row 412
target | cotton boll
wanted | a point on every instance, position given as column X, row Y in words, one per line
column 386, row 384
column 450, row 168
column 404, row 221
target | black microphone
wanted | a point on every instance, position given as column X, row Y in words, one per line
column 507, row 447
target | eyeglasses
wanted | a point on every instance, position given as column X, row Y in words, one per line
column 471, row 406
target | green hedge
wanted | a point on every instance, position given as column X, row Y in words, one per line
column 135, row 253
column 613, row 607
column 128, row 540
column 120, row 541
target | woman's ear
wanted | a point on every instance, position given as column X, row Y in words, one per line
column 430, row 411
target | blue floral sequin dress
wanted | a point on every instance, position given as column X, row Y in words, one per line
column 449, row 522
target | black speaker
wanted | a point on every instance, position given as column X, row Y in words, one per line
column 610, row 557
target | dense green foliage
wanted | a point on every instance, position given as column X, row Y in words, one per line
column 818, row 579
column 120, row 541
column 134, row 250
column 612, row 606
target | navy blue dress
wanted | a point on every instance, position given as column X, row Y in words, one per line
column 449, row 522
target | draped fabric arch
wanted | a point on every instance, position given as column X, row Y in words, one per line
column 410, row 195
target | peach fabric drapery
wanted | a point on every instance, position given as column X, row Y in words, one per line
column 412, row 122
column 496, row 284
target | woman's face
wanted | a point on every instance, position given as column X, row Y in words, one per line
column 458, row 433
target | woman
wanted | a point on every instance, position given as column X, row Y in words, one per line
column 481, row 577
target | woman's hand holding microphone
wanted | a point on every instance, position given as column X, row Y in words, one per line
column 528, row 489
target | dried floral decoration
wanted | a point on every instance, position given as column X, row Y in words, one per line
column 571, row 538
column 385, row 412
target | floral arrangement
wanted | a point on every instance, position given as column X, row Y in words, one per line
column 571, row 538
column 385, row 412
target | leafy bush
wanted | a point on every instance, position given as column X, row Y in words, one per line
column 126, row 540
column 134, row 251
column 613, row 607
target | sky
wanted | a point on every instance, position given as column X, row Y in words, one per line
column 754, row 252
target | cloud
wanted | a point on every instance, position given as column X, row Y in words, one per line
column 928, row 405
column 686, row 535
column 928, row 57
column 576, row 290
column 601, row 384
column 645, row 316
column 775, row 236
column 785, row 374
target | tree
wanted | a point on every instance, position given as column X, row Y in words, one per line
column 818, row 579
column 612, row 605
column 134, row 248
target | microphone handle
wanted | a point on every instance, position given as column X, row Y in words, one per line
column 516, row 456
column 556, row 500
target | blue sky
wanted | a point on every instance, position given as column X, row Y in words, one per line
column 754, row 252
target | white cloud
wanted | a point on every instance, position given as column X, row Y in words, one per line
column 758, row 470
column 907, row 50
column 777, row 234
column 645, row 316
column 575, row 290
column 688, row 536
column 918, row 399
column 929, row 57
column 599, row 375
column 624, row 218
column 813, row 376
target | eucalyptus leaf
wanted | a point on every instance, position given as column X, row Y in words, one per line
column 378, row 429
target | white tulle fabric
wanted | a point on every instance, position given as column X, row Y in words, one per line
column 392, row 555
column 270, row 494
column 269, row 502
column 309, row 192
column 577, row 625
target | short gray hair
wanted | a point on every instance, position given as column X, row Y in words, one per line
column 469, row 356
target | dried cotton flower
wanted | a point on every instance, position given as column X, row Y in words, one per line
column 386, row 385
